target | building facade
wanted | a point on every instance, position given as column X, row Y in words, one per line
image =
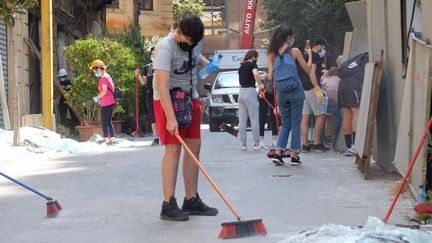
column 223, row 21
column 156, row 17
column 71, row 20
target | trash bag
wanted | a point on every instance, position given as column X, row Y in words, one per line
column 354, row 67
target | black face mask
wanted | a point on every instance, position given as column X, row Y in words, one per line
column 254, row 61
column 186, row 47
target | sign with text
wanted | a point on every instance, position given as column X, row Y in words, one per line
column 248, row 25
column 232, row 58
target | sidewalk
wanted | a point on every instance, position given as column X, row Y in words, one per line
column 116, row 196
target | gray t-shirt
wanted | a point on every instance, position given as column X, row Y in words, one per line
column 170, row 57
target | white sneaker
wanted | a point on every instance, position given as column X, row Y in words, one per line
column 263, row 146
column 243, row 147
column 257, row 147
column 348, row 153
column 352, row 149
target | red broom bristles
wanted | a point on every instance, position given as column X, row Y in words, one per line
column 228, row 231
column 52, row 208
column 260, row 228
column 242, row 229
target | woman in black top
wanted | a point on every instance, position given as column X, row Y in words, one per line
column 248, row 103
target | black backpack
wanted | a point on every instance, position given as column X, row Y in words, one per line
column 118, row 93
column 354, row 67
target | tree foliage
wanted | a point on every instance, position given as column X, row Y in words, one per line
column 311, row 20
column 187, row 7
column 9, row 9
column 120, row 64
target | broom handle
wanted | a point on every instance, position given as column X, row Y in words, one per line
column 276, row 104
column 186, row 148
column 25, row 186
column 264, row 98
column 136, row 102
column 408, row 172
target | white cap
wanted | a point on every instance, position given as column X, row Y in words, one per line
column 61, row 73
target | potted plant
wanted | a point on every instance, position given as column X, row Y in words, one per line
column 118, row 116
column 120, row 65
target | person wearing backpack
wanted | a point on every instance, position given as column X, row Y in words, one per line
column 105, row 99
column 282, row 70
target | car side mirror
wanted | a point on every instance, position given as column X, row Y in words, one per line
column 208, row 86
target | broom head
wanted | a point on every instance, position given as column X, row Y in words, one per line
column 245, row 228
column 423, row 209
column 137, row 133
column 53, row 207
column 229, row 129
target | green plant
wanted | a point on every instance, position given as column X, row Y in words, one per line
column 118, row 113
column 120, row 64
column 9, row 9
column 311, row 19
column 187, row 7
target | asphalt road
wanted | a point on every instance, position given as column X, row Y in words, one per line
column 115, row 195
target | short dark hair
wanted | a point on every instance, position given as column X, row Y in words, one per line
column 152, row 49
column 321, row 41
column 192, row 26
column 250, row 54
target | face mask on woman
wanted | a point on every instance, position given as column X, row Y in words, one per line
column 291, row 44
column 322, row 53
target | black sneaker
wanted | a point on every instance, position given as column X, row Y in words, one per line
column 306, row 148
column 195, row 206
column 277, row 160
column 286, row 154
column 155, row 142
column 171, row 211
column 295, row 161
column 319, row 147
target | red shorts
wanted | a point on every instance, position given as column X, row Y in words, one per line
column 192, row 131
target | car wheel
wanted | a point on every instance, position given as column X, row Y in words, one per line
column 214, row 125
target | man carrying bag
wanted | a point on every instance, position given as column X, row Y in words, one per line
column 177, row 109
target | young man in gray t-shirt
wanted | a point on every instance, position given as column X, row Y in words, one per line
column 176, row 58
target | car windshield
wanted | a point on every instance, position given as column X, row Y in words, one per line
column 227, row 80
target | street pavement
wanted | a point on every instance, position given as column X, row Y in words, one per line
column 116, row 195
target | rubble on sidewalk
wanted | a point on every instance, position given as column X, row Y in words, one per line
column 373, row 232
column 42, row 140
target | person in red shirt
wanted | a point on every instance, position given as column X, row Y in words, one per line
column 105, row 99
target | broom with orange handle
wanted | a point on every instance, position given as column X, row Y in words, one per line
column 240, row 228
column 52, row 205
column 408, row 172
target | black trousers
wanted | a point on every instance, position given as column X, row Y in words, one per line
column 107, row 126
column 263, row 114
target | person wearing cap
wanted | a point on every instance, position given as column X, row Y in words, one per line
column 328, row 60
column 105, row 99
column 315, row 102
column 64, row 110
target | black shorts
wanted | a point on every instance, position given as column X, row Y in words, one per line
column 150, row 109
column 349, row 93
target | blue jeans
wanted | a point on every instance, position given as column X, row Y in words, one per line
column 290, row 108
column 336, row 119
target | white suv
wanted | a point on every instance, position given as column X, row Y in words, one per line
column 222, row 106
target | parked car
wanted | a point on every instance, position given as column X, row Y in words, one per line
column 222, row 106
